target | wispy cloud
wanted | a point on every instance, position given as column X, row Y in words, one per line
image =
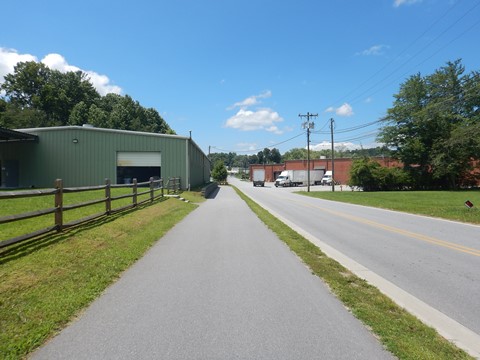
column 375, row 50
column 398, row 3
column 10, row 57
column 247, row 146
column 250, row 101
column 344, row 110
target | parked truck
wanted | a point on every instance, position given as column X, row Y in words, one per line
column 258, row 177
column 327, row 178
column 298, row 178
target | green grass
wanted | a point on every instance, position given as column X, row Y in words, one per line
column 23, row 205
column 443, row 204
column 401, row 333
column 45, row 283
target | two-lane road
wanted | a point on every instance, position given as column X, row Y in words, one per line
column 434, row 261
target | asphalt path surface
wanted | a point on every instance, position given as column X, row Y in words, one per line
column 434, row 261
column 219, row 285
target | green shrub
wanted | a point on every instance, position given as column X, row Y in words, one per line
column 219, row 172
column 371, row 176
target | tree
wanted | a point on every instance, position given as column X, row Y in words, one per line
column 371, row 176
column 425, row 126
column 363, row 174
column 97, row 117
column 275, row 156
column 260, row 157
column 79, row 114
column 36, row 96
column 295, row 154
column 24, row 86
column 219, row 172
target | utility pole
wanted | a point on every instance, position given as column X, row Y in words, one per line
column 332, row 122
column 308, row 125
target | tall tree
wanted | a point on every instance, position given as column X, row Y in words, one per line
column 275, row 156
column 425, row 123
column 24, row 86
column 36, row 96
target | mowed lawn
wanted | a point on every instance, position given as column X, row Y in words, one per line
column 442, row 204
column 46, row 282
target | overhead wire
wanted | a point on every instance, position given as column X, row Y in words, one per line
column 260, row 149
column 362, row 94
column 400, row 54
column 428, row 58
column 354, row 99
column 428, row 45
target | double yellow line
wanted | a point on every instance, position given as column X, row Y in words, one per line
column 425, row 238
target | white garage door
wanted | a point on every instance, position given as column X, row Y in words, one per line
column 139, row 158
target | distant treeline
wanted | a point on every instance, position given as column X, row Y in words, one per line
column 273, row 156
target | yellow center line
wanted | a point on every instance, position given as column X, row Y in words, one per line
column 393, row 229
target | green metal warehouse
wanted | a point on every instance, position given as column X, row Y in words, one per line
column 86, row 156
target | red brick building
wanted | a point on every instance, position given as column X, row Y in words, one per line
column 342, row 167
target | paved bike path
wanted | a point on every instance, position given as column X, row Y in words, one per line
column 219, row 285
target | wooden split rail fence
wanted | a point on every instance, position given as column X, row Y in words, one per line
column 154, row 189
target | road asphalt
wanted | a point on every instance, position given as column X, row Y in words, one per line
column 219, row 285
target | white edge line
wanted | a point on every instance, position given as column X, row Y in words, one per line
column 450, row 329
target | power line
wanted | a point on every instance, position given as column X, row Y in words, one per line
column 309, row 126
column 354, row 128
column 362, row 94
column 401, row 52
column 258, row 149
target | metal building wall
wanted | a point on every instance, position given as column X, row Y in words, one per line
column 199, row 165
column 84, row 156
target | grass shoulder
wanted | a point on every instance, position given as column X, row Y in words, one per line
column 401, row 333
column 47, row 282
column 448, row 205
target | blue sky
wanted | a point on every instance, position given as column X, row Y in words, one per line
column 238, row 73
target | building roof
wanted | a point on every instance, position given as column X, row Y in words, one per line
column 12, row 135
column 93, row 128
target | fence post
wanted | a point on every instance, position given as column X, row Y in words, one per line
column 108, row 197
column 151, row 189
column 163, row 188
column 59, row 204
column 134, row 187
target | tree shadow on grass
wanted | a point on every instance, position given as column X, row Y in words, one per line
column 27, row 247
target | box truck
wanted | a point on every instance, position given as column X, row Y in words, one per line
column 258, row 177
column 298, row 177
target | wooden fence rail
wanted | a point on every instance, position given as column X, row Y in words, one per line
column 154, row 188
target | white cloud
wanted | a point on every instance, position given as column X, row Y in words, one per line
column 247, row 146
column 375, row 50
column 342, row 146
column 326, row 145
column 398, row 3
column 100, row 82
column 344, row 110
column 9, row 58
column 252, row 100
column 263, row 119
